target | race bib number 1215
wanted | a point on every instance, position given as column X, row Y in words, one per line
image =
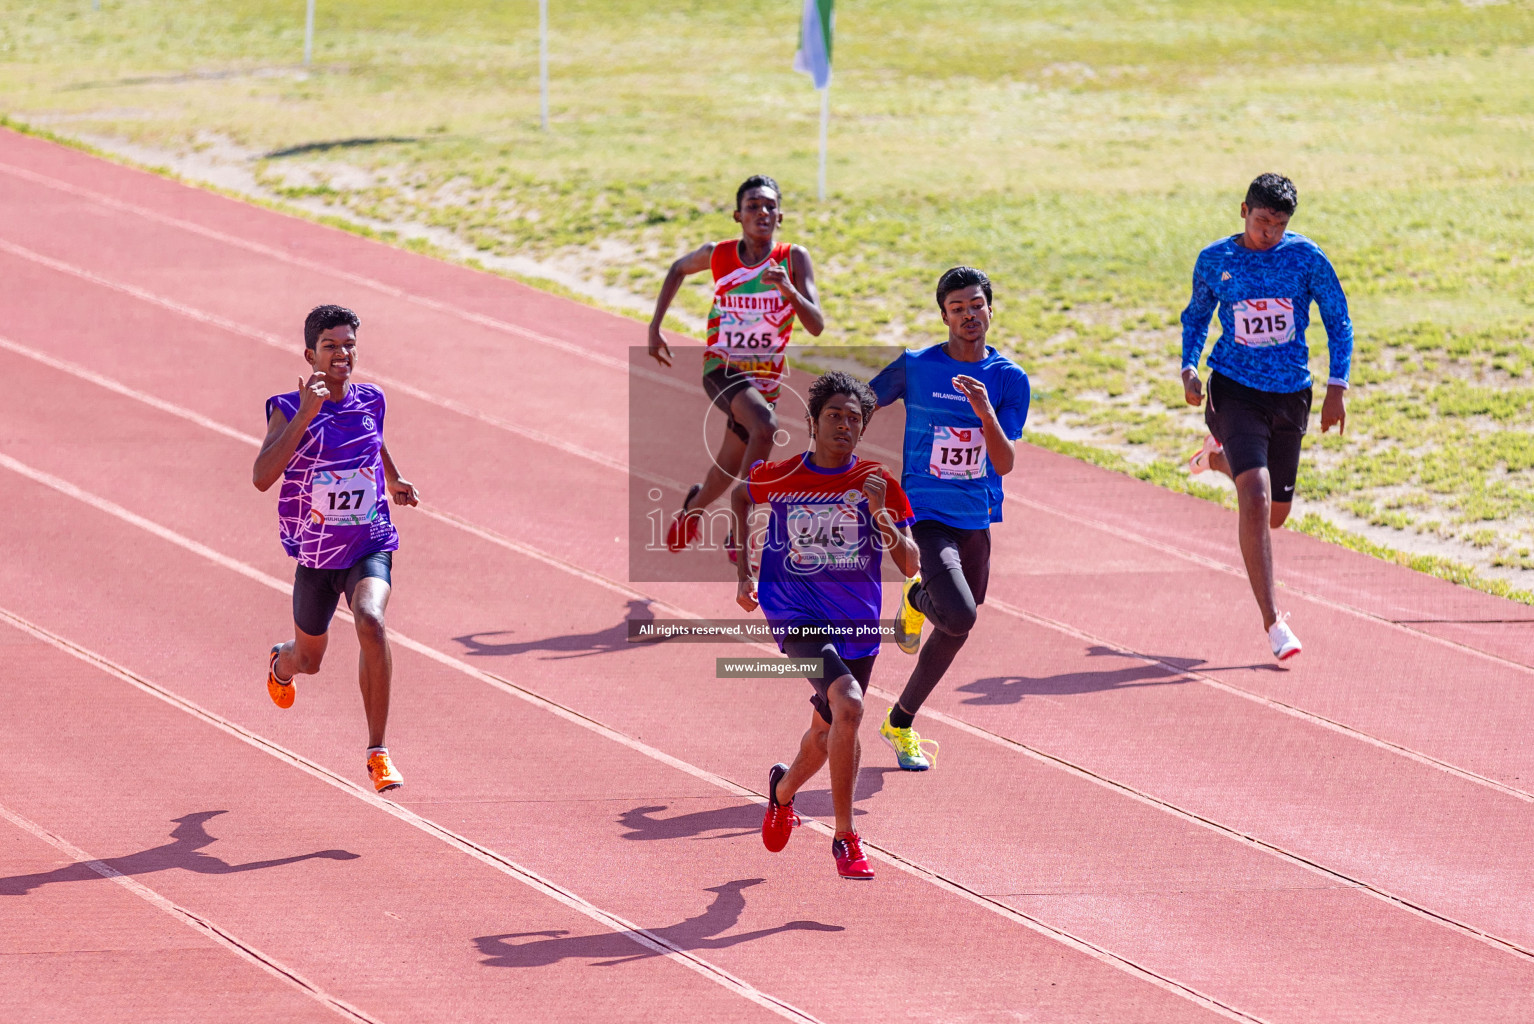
column 1263, row 323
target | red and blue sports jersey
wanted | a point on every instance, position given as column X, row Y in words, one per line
column 821, row 556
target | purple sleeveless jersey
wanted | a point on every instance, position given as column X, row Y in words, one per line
column 333, row 508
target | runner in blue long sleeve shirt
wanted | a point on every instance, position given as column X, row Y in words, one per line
column 1263, row 281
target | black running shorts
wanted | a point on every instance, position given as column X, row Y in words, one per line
column 834, row 667
column 722, row 386
column 1259, row 428
column 316, row 592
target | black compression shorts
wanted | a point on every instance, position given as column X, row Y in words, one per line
column 722, row 386
column 316, row 592
column 834, row 668
column 1259, row 428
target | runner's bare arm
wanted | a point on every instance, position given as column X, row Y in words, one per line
column 1334, row 410
column 695, row 262
column 401, row 490
column 798, row 287
column 740, row 510
column 282, row 437
column 897, row 540
column 998, row 447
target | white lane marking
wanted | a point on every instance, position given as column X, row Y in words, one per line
column 317, row 267
column 649, row 940
column 244, row 950
column 1077, row 943
column 1230, row 570
column 568, row 714
column 625, row 590
column 1268, row 702
column 273, row 341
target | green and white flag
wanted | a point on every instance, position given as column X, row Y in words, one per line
column 814, row 56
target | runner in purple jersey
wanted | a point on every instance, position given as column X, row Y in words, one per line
column 325, row 442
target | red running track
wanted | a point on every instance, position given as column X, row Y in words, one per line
column 1137, row 817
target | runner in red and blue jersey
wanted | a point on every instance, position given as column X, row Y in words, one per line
column 760, row 287
column 833, row 516
column 325, row 443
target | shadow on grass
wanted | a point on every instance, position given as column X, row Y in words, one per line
column 609, row 949
column 190, row 835
column 334, row 144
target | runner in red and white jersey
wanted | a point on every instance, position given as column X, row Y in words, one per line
column 760, row 287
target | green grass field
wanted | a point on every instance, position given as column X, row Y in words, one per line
column 1081, row 152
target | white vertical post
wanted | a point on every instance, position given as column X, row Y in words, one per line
column 543, row 63
column 309, row 34
column 825, row 117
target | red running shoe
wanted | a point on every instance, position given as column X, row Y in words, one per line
column 683, row 531
column 779, row 821
column 847, row 848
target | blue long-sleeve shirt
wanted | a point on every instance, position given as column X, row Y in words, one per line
column 1264, row 307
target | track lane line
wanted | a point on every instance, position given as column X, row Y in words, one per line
column 362, row 280
column 1077, row 943
column 496, row 324
column 239, row 947
column 643, row 937
column 882, row 853
column 631, row 592
column 270, row 340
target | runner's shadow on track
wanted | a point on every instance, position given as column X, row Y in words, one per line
column 576, row 645
column 611, row 949
column 1012, row 689
column 190, row 837
column 740, row 819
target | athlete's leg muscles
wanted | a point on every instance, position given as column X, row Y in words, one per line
column 1219, row 463
column 944, row 595
column 725, row 470
column 753, row 412
column 1254, row 501
column 844, row 752
column 1279, row 514
column 375, row 663
column 959, row 564
column 811, row 758
column 302, row 655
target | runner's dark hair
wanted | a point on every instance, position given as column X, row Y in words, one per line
column 323, row 318
column 836, row 382
column 1273, row 192
column 962, row 277
column 756, row 181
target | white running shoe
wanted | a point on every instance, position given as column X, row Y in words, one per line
column 1200, row 460
column 1285, row 644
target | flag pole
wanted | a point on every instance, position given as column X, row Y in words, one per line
column 309, row 33
column 543, row 63
column 825, row 117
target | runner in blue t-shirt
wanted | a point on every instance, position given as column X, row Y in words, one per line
column 965, row 406
column 1263, row 281
column 324, row 442
column 833, row 516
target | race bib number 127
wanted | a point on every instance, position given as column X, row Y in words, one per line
column 1263, row 323
column 347, row 497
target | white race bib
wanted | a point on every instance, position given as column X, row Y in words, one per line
column 1262, row 323
column 958, row 453
column 820, row 535
column 347, row 497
